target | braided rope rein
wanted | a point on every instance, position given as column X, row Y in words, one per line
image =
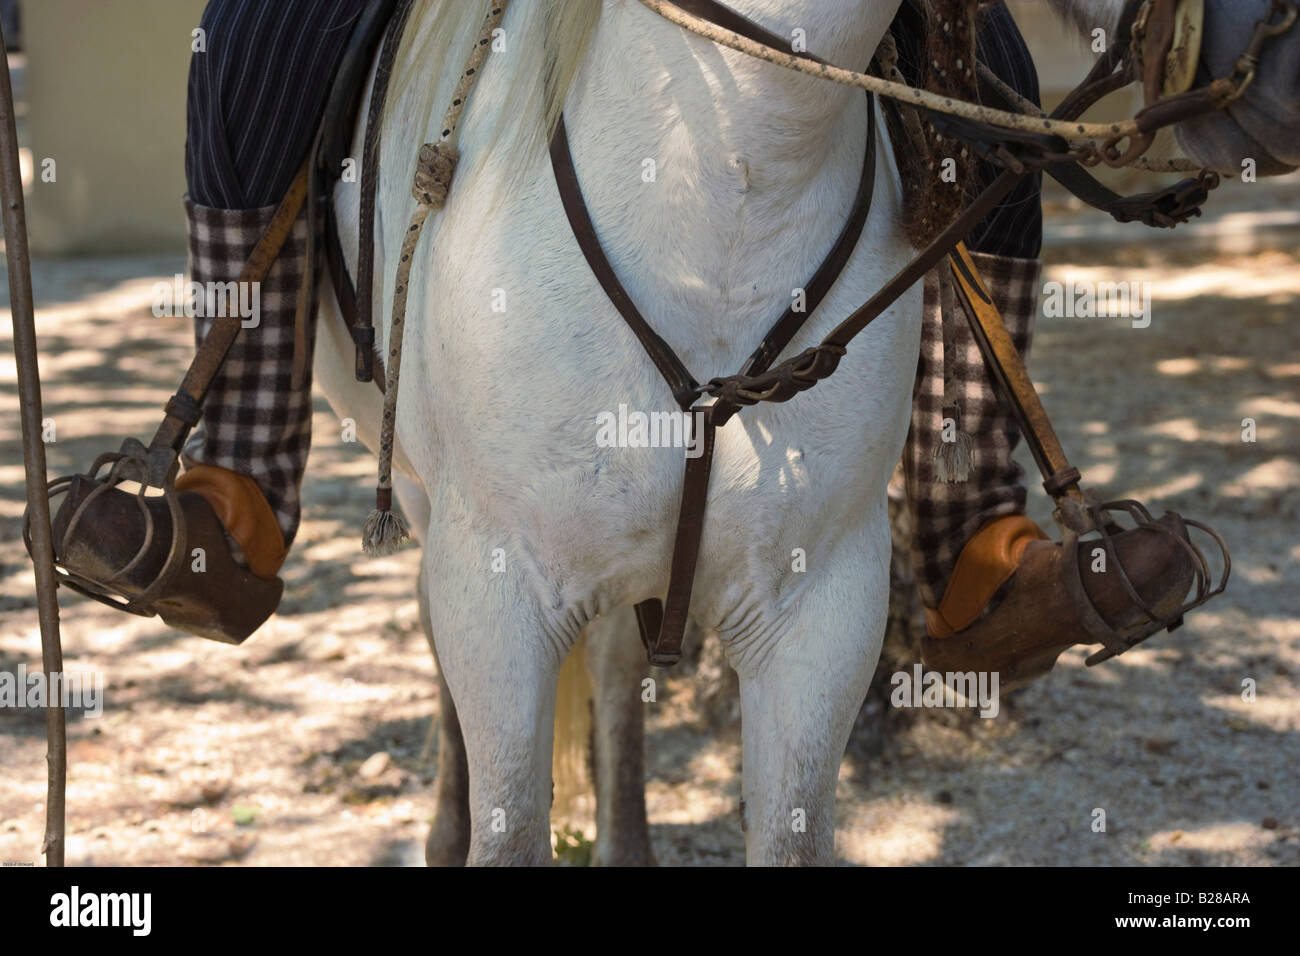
column 1071, row 130
column 385, row 530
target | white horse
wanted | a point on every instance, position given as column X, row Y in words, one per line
column 531, row 531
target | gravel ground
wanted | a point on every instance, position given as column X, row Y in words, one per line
column 311, row 745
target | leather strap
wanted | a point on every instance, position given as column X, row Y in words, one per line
column 663, row 624
column 1163, row 208
column 786, row 327
column 809, row 367
column 680, row 381
column 338, row 126
column 1009, row 372
column 305, row 308
column 362, row 327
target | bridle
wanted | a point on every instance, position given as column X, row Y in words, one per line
column 1165, row 54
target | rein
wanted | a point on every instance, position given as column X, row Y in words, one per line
column 384, row 529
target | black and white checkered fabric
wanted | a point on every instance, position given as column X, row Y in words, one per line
column 944, row 515
column 254, row 422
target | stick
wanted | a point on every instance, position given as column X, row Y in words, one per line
column 29, row 396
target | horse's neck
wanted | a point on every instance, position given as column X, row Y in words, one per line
column 753, row 166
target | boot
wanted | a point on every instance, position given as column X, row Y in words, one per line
column 1010, row 607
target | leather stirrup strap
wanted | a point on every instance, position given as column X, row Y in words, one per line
column 1008, row 370
column 185, row 407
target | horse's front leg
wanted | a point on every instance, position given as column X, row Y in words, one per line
column 617, row 663
column 802, row 682
column 500, row 663
column 448, row 840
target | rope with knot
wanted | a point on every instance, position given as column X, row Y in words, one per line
column 385, row 530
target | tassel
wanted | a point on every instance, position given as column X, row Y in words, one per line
column 952, row 459
column 384, row 530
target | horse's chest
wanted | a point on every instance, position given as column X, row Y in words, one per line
column 575, row 446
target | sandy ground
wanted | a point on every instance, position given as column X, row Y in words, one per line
column 210, row 754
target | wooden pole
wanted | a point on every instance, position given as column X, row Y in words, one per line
column 29, row 397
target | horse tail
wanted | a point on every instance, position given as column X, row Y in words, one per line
column 571, row 771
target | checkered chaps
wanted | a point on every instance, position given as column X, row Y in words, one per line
column 254, row 422
column 945, row 516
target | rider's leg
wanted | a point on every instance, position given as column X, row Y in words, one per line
column 257, row 88
column 255, row 98
column 992, row 583
column 1005, row 247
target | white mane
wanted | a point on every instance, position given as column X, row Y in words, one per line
column 545, row 44
column 1088, row 15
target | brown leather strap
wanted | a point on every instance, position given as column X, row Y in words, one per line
column 680, row 381
column 180, row 416
column 820, row 362
column 663, row 625
column 786, row 327
column 305, row 308
column 1009, row 373
column 1163, row 208
column 1103, row 76
column 809, row 367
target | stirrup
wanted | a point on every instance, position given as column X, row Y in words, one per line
column 1092, row 516
column 153, row 550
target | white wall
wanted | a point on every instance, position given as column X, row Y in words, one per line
column 106, row 101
